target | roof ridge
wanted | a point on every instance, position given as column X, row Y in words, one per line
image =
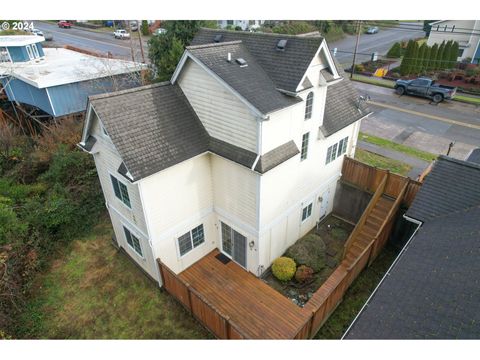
column 258, row 33
column 459, row 162
column 127, row 91
column 233, row 42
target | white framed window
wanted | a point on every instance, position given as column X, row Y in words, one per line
column 307, row 212
column 336, row 150
column 36, row 54
column 305, row 140
column 4, row 55
column 309, row 106
column 121, row 191
column 133, row 241
column 29, row 52
column 191, row 240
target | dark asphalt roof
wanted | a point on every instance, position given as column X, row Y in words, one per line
column 341, row 107
column 474, row 156
column 285, row 68
column 154, row 127
column 451, row 185
column 433, row 290
column 249, row 81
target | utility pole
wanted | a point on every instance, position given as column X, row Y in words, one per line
column 356, row 49
column 140, row 40
column 131, row 44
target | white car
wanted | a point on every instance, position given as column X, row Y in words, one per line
column 36, row 32
column 121, row 34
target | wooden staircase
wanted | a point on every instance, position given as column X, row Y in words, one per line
column 373, row 223
column 373, row 229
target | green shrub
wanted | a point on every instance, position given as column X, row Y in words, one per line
column 395, row 51
column 283, row 268
column 303, row 273
column 310, row 251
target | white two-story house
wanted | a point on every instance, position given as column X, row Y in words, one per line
column 240, row 151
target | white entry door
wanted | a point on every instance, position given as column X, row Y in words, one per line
column 234, row 245
column 324, row 203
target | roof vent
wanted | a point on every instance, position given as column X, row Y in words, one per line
column 282, row 44
column 241, row 62
column 218, row 38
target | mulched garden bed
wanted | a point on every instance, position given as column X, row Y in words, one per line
column 333, row 232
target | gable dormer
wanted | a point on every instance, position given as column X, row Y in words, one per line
column 21, row 48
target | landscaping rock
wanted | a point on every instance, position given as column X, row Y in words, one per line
column 331, row 263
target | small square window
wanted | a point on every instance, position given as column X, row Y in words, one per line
column 185, row 244
column 307, row 211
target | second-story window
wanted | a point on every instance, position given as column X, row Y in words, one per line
column 309, row 106
column 29, row 52
column 121, row 191
column 304, row 152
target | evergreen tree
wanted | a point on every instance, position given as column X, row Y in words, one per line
column 414, row 59
column 446, row 55
column 433, row 57
column 426, row 58
column 406, row 60
column 145, row 30
column 439, row 59
column 395, row 51
column 421, row 58
column 454, row 54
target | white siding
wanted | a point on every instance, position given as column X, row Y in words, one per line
column 176, row 200
column 224, row 116
column 437, row 37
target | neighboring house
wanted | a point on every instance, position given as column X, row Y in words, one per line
column 241, row 151
column 56, row 80
column 432, row 290
column 244, row 24
column 465, row 32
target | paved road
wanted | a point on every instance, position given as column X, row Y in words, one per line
column 416, row 122
column 94, row 41
column 380, row 42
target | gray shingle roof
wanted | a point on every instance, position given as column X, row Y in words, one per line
column 432, row 291
column 341, row 107
column 152, row 127
column 285, row 68
column 451, row 185
column 251, row 81
column 474, row 156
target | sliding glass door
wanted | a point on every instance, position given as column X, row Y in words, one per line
column 234, row 245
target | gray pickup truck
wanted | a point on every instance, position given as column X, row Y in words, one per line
column 425, row 87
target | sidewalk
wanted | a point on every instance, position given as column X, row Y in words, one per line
column 418, row 166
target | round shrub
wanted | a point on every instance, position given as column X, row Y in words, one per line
column 303, row 273
column 310, row 251
column 284, row 268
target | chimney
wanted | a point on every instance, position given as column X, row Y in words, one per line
column 229, row 57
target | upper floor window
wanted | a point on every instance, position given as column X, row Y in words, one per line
column 309, row 106
column 133, row 241
column 336, row 150
column 191, row 239
column 35, row 51
column 120, row 190
column 4, row 55
column 304, row 153
column 29, row 52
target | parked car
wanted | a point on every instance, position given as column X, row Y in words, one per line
column 121, row 34
column 133, row 26
column 48, row 36
column 160, row 31
column 426, row 88
column 37, row 32
column 372, row 30
column 64, row 24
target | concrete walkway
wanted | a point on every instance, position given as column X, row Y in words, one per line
column 417, row 165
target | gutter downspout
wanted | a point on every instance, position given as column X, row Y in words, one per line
column 419, row 224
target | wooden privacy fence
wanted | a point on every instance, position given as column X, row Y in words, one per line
column 219, row 324
column 368, row 178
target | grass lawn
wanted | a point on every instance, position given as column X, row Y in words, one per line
column 423, row 155
column 382, row 162
column 93, row 291
column 467, row 99
column 356, row 296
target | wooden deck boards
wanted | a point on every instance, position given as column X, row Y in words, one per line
column 257, row 309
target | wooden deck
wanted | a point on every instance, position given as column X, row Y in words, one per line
column 253, row 306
